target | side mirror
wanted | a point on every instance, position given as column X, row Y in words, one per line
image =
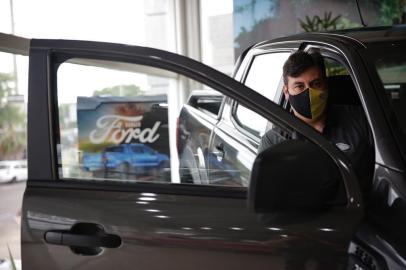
column 293, row 176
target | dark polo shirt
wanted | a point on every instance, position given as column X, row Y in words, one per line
column 347, row 128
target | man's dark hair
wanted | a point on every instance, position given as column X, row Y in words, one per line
column 300, row 61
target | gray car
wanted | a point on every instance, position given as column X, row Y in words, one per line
column 275, row 221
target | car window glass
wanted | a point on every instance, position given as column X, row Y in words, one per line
column 131, row 125
column 392, row 72
column 136, row 149
column 124, row 125
column 115, row 149
column 334, row 68
column 265, row 73
column 341, row 88
column 265, row 77
column 147, row 150
column 208, row 101
column 250, row 121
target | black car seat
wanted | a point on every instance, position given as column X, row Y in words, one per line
column 342, row 91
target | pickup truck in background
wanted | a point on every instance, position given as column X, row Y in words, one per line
column 128, row 159
column 208, row 155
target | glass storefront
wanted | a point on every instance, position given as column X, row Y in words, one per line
column 255, row 21
column 225, row 29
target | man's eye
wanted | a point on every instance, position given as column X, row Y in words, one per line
column 317, row 84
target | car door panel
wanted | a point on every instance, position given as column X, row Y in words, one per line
column 186, row 232
column 169, row 226
column 237, row 156
column 197, row 128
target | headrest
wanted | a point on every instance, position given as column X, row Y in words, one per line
column 342, row 91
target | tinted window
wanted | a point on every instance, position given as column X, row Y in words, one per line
column 115, row 149
column 334, row 68
column 137, row 149
column 392, row 71
column 148, row 150
column 207, row 101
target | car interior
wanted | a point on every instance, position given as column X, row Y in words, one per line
column 342, row 91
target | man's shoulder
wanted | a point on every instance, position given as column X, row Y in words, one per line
column 273, row 136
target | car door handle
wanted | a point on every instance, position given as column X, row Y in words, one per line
column 83, row 238
column 219, row 152
column 65, row 238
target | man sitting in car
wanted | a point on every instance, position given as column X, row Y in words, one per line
column 306, row 90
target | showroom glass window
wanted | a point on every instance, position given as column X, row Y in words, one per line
column 13, row 145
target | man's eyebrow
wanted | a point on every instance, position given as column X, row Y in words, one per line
column 317, row 79
column 295, row 83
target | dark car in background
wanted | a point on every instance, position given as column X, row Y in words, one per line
column 270, row 212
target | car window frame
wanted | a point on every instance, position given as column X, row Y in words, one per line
column 208, row 115
column 47, row 55
column 238, row 125
column 335, row 55
column 250, row 58
column 368, row 55
column 208, row 111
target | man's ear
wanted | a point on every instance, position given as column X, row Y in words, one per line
column 285, row 92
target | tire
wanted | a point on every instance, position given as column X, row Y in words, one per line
column 13, row 180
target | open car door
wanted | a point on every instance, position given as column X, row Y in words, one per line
column 85, row 208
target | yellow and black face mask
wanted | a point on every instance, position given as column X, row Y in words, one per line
column 311, row 103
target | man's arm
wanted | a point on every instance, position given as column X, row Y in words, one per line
column 272, row 137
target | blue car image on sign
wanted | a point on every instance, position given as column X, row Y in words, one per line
column 124, row 137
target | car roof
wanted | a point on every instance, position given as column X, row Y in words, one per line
column 359, row 37
column 375, row 34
